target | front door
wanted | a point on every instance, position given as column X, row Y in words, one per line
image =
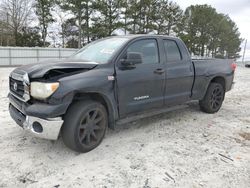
column 142, row 87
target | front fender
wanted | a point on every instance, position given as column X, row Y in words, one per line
column 86, row 84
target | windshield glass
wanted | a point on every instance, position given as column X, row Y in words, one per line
column 100, row 51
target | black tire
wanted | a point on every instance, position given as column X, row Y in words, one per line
column 84, row 126
column 213, row 98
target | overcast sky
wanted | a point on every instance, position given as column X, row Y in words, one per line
column 238, row 11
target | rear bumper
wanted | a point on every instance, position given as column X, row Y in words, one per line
column 44, row 128
column 232, row 86
column 229, row 82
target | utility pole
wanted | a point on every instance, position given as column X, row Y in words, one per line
column 244, row 51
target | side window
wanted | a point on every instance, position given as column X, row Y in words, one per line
column 172, row 51
column 148, row 49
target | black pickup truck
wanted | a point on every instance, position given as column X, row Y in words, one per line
column 110, row 80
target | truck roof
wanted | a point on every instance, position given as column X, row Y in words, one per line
column 131, row 36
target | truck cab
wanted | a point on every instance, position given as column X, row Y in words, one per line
column 164, row 76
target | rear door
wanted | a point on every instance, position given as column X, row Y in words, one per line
column 142, row 87
column 179, row 73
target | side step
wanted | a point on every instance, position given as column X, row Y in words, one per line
column 150, row 113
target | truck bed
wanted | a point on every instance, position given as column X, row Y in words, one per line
column 206, row 69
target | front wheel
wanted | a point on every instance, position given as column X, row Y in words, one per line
column 213, row 98
column 84, row 125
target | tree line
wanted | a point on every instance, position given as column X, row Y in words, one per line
column 74, row 23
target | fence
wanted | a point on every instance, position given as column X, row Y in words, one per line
column 14, row 56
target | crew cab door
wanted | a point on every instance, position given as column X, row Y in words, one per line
column 141, row 86
column 179, row 73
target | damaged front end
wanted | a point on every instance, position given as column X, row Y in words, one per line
column 56, row 74
column 37, row 112
column 51, row 69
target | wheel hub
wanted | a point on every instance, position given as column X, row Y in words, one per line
column 91, row 128
column 216, row 98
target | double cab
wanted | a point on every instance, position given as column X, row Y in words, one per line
column 110, row 80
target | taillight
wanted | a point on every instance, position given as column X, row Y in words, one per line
column 233, row 66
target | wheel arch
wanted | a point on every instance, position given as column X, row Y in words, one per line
column 103, row 99
column 208, row 104
column 219, row 79
column 215, row 79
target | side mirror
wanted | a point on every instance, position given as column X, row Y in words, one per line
column 132, row 59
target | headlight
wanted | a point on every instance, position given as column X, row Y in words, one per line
column 41, row 90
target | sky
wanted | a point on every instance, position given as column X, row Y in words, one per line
column 238, row 11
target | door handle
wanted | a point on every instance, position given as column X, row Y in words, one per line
column 159, row 71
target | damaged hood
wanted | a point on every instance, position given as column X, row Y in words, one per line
column 38, row 70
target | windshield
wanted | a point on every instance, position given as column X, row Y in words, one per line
column 100, row 51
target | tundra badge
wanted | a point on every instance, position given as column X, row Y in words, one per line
column 141, row 98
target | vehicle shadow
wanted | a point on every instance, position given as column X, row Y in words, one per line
column 147, row 121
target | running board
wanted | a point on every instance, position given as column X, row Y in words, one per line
column 150, row 113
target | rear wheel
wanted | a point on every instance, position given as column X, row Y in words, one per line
column 84, row 125
column 213, row 98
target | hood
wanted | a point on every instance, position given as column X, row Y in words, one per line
column 39, row 70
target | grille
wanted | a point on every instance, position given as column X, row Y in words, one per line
column 17, row 87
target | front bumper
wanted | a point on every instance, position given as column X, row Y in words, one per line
column 40, row 110
column 40, row 119
column 43, row 128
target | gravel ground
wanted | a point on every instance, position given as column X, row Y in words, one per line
column 185, row 148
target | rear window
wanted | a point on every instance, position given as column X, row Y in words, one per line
column 172, row 51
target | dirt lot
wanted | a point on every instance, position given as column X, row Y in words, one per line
column 185, row 148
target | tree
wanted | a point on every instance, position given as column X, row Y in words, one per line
column 206, row 32
column 166, row 16
column 81, row 9
column 173, row 15
column 107, row 17
column 143, row 16
column 16, row 14
column 30, row 37
column 88, row 12
column 132, row 17
column 59, row 26
column 5, row 34
column 229, row 38
column 124, row 13
column 70, row 33
column 146, row 10
column 138, row 14
column 43, row 8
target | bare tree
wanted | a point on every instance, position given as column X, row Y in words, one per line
column 61, row 18
column 43, row 12
column 16, row 14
